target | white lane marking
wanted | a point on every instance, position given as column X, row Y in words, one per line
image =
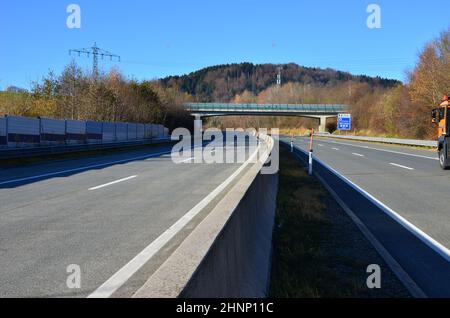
column 192, row 158
column 384, row 150
column 400, row 166
column 409, row 283
column 111, row 183
column 186, row 160
column 121, row 277
column 320, row 145
column 85, row 168
column 337, row 149
column 424, row 237
column 358, row 154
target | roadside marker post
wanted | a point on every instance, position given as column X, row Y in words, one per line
column 292, row 143
column 311, row 150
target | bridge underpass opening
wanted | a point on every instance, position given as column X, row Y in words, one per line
column 318, row 111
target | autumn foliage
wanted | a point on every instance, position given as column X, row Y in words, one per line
column 108, row 97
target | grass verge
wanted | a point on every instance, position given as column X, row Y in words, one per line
column 317, row 250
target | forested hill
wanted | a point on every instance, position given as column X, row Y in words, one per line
column 223, row 82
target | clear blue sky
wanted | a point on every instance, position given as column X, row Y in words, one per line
column 172, row 37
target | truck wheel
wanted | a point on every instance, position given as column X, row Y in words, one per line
column 443, row 161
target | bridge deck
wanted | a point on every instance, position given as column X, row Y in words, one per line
column 291, row 108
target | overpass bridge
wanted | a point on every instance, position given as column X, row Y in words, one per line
column 317, row 111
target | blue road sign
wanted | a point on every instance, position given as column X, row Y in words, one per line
column 345, row 122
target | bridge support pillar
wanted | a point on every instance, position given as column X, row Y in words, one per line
column 198, row 124
column 323, row 124
column 198, row 138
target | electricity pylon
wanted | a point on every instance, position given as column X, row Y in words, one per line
column 279, row 76
column 95, row 52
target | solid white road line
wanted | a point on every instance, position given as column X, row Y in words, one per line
column 126, row 272
column 384, row 150
column 111, row 183
column 424, row 237
column 84, row 168
column 400, row 166
column 358, row 154
column 409, row 283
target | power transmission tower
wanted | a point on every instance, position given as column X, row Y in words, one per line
column 95, row 52
column 279, row 76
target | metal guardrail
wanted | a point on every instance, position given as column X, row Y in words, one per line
column 325, row 108
column 407, row 142
column 14, row 153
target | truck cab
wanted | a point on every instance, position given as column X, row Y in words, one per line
column 440, row 117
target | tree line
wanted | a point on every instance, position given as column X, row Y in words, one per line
column 222, row 83
column 75, row 94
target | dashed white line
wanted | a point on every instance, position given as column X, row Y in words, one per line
column 358, row 154
column 111, row 183
column 400, row 166
column 186, row 160
column 192, row 158
column 384, row 150
column 85, row 168
column 122, row 276
column 337, row 149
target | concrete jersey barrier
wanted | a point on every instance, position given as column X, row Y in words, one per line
column 229, row 253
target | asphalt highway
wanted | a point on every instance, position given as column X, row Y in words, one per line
column 95, row 212
column 407, row 180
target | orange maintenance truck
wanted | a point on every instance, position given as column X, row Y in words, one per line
column 441, row 117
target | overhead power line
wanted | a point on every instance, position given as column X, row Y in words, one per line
column 96, row 52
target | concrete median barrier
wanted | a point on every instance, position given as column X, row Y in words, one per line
column 229, row 253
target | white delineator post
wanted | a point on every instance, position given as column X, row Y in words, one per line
column 292, row 143
column 311, row 147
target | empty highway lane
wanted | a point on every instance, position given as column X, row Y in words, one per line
column 407, row 180
column 98, row 213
